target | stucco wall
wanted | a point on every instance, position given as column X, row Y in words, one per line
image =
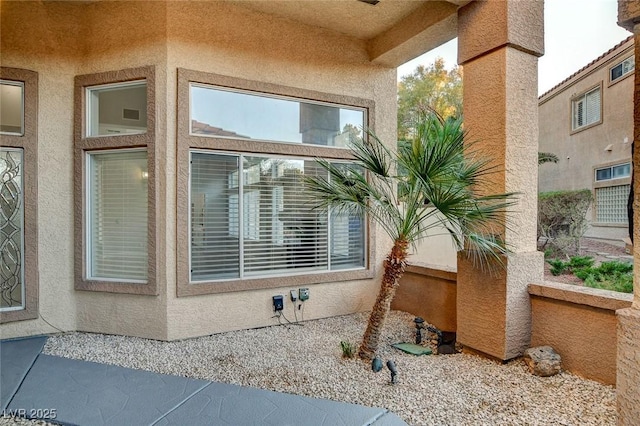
column 300, row 57
column 580, row 324
column 430, row 294
column 61, row 40
column 30, row 38
column 579, row 152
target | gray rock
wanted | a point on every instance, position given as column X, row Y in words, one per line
column 543, row 361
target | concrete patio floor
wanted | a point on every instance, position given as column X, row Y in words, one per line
column 73, row 392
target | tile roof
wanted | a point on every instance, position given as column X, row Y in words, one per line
column 586, row 66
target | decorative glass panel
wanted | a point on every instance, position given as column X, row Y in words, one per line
column 611, row 204
column 223, row 113
column 117, row 109
column 11, row 107
column 11, row 229
column 118, row 206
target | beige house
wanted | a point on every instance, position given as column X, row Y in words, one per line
column 587, row 121
column 151, row 155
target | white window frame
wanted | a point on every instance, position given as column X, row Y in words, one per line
column 241, row 227
column 582, row 99
column 627, row 60
column 21, row 85
column 595, row 174
column 89, row 106
column 89, row 213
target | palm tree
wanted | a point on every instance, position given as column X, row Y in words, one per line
column 547, row 157
column 435, row 190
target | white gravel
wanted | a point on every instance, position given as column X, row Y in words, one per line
column 432, row 390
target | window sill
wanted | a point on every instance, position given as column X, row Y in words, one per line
column 148, row 289
column 201, row 288
column 609, row 225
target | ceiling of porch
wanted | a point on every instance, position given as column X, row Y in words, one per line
column 395, row 30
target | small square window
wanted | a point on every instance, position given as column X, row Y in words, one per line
column 603, row 174
column 623, row 68
column 11, row 107
column 117, row 109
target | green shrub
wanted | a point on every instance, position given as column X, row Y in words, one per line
column 348, row 349
column 614, row 275
column 562, row 219
column 557, row 266
column 578, row 262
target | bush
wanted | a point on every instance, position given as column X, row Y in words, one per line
column 574, row 265
column 562, row 219
column 614, row 275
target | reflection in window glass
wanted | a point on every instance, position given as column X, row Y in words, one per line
column 11, row 107
column 623, row 170
column 117, row 109
column 613, row 172
column 264, row 224
column 223, row 113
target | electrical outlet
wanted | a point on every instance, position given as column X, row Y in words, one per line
column 294, row 295
column 303, row 294
column 278, row 303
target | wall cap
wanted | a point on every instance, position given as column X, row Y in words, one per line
column 442, row 272
column 595, row 297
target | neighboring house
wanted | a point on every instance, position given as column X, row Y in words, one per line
column 587, row 121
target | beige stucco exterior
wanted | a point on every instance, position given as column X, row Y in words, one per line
column 606, row 142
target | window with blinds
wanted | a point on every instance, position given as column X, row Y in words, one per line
column 117, row 215
column 251, row 217
column 586, row 109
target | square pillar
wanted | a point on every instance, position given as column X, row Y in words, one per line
column 628, row 359
column 499, row 44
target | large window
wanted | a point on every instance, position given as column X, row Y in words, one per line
column 116, row 237
column 251, row 217
column 622, row 69
column 586, row 109
column 18, row 195
column 220, row 112
column 245, row 220
column 117, row 225
column 612, row 186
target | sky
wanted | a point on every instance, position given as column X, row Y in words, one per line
column 576, row 32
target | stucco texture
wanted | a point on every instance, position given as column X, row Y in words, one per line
column 61, row 40
column 299, row 57
column 580, row 324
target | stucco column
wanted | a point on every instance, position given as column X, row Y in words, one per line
column 499, row 43
column 628, row 360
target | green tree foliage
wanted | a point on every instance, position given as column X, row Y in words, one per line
column 428, row 88
column 562, row 219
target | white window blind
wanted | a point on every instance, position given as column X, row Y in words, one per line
column 117, row 219
column 265, row 221
column 586, row 109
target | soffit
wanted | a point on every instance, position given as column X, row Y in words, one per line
column 351, row 17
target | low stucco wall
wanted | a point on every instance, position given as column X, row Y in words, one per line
column 428, row 293
column 580, row 324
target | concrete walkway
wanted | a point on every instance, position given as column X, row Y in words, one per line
column 73, row 392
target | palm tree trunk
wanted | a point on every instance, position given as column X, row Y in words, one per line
column 394, row 266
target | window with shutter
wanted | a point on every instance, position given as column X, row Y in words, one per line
column 586, row 109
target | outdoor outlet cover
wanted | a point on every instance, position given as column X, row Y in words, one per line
column 304, row 294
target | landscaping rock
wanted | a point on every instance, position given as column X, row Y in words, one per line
column 543, row 361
